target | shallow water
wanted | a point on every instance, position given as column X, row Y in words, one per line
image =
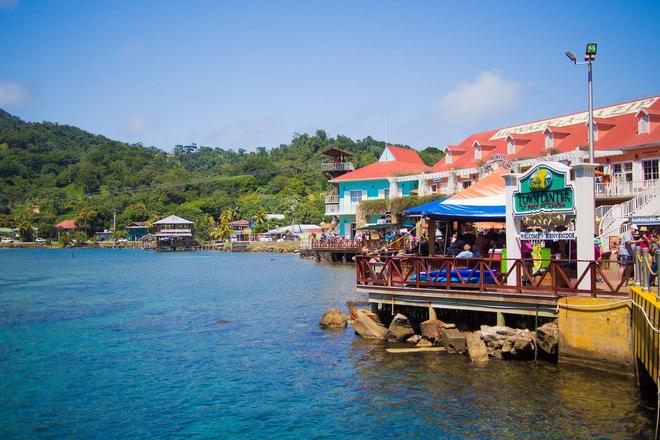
column 124, row 344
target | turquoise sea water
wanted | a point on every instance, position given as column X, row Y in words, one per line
column 104, row 344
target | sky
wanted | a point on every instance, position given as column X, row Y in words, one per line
column 245, row 74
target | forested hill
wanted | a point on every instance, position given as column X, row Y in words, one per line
column 49, row 172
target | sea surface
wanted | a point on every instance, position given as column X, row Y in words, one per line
column 117, row 344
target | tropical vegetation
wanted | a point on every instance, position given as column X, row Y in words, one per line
column 51, row 172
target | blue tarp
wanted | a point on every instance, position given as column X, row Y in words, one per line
column 438, row 210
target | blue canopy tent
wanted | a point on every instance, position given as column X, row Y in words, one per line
column 438, row 210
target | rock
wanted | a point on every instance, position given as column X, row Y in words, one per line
column 414, row 339
column 519, row 345
column 366, row 327
column 494, row 333
column 431, row 329
column 222, row 321
column 333, row 318
column 424, row 343
column 547, row 337
column 453, row 340
column 476, row 347
column 400, row 329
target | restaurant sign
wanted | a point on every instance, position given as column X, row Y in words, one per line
column 544, row 189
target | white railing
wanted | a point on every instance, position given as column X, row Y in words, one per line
column 618, row 189
column 337, row 166
column 331, row 209
column 613, row 220
column 331, row 199
column 601, row 211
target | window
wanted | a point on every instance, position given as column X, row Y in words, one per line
column 356, row 196
column 510, row 146
column 386, row 193
column 549, row 140
column 467, row 183
column 623, row 172
column 643, row 124
column 477, row 151
column 448, row 157
column 650, row 168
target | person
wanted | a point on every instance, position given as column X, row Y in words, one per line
column 628, row 240
column 646, row 239
column 481, row 245
column 466, row 252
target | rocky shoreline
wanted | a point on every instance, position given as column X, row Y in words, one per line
column 486, row 343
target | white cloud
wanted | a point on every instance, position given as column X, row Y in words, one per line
column 136, row 125
column 8, row 4
column 489, row 95
column 12, row 93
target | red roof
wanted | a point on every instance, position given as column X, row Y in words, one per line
column 407, row 161
column 619, row 129
column 241, row 223
column 66, row 224
column 402, row 154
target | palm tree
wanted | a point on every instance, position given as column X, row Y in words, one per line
column 259, row 219
column 223, row 230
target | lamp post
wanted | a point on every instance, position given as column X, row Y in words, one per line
column 589, row 57
column 584, row 186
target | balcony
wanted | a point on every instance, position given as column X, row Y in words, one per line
column 332, row 199
column 337, row 166
column 332, row 209
column 623, row 189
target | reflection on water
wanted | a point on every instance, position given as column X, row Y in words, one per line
column 119, row 344
column 503, row 399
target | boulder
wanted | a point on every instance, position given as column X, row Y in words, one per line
column 333, row 318
column 520, row 344
column 400, row 329
column 494, row 333
column 431, row 329
column 424, row 343
column 476, row 348
column 414, row 339
column 547, row 337
column 453, row 340
column 366, row 327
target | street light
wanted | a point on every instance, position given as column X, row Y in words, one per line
column 589, row 57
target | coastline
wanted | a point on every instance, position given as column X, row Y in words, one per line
column 269, row 247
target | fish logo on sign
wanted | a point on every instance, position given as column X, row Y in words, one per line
column 541, row 180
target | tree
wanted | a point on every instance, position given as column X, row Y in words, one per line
column 223, row 230
column 87, row 218
column 259, row 220
column 25, row 231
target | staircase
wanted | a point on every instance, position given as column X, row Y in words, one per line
column 614, row 216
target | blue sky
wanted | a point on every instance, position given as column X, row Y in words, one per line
column 247, row 74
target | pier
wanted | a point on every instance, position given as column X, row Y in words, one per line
column 603, row 322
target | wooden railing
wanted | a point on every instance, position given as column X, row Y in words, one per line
column 339, row 244
column 337, row 166
column 558, row 278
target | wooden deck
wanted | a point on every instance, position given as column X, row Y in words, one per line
column 483, row 284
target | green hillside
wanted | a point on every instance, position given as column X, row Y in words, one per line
column 49, row 172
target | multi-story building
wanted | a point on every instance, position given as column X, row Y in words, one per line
column 374, row 181
column 626, row 144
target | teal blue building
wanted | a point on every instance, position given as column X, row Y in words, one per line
column 379, row 180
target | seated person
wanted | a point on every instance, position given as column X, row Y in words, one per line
column 466, row 252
